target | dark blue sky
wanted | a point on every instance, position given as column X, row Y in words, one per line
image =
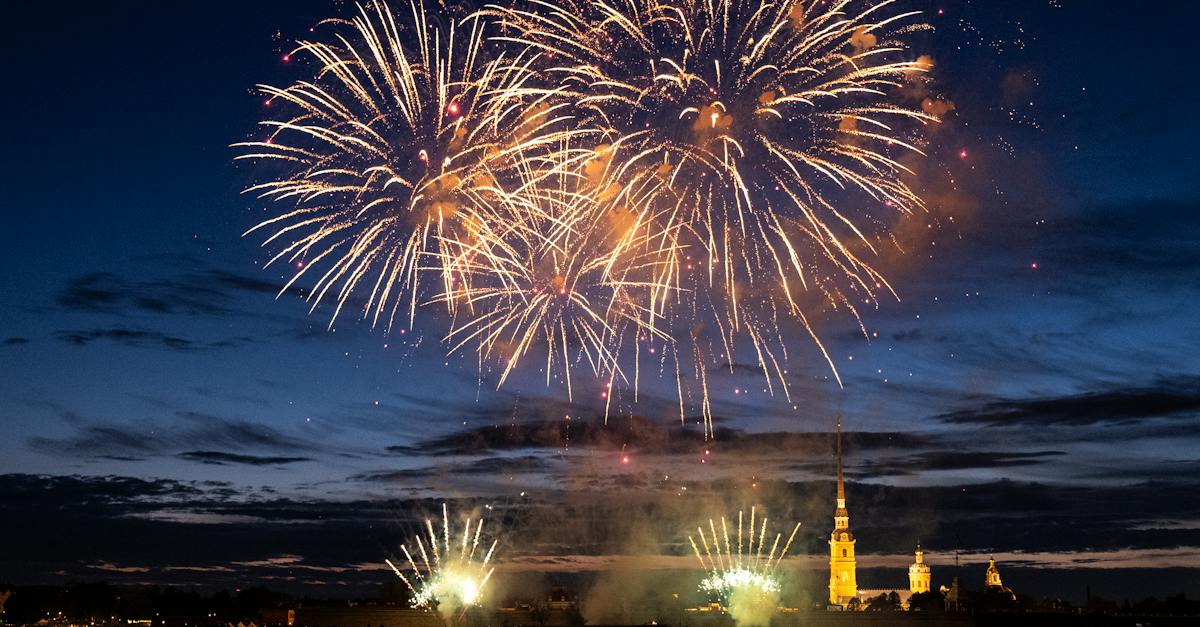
column 1044, row 358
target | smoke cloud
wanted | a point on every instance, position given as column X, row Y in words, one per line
column 751, row 607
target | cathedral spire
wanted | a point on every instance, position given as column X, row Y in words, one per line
column 841, row 488
column 843, row 583
column 841, row 516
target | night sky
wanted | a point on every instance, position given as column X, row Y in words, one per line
column 1034, row 395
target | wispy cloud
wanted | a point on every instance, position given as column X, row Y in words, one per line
column 652, row 436
column 142, row 338
column 181, row 435
column 1118, row 405
column 218, row 457
column 194, row 291
column 880, row 468
column 486, row 466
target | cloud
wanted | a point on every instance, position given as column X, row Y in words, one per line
column 109, row 293
column 150, row 308
column 220, row 458
column 636, row 433
column 33, row 492
column 1152, row 469
column 91, row 292
column 184, row 432
column 141, row 338
column 485, row 466
column 246, row 284
column 114, row 568
column 949, row 460
column 1101, row 249
column 199, row 291
column 13, row 341
column 1116, row 405
column 908, row 335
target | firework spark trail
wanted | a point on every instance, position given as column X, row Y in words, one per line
column 765, row 122
column 450, row 583
column 458, row 189
column 610, row 180
column 729, row 571
column 557, row 265
column 404, row 123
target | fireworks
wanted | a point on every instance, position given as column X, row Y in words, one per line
column 744, row 571
column 549, row 265
column 456, row 577
column 613, row 180
column 404, row 124
column 722, row 583
column 780, row 134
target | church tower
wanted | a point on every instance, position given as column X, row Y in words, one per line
column 842, row 583
column 918, row 574
column 992, row 577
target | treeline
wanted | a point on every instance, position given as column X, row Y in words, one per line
column 1175, row 605
column 103, row 602
column 993, row 602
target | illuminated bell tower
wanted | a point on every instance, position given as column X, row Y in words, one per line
column 918, row 574
column 842, row 583
column 992, row 578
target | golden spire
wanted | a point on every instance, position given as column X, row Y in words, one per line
column 843, row 585
column 841, row 489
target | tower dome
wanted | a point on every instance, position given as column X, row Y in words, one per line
column 918, row 574
column 992, row 579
